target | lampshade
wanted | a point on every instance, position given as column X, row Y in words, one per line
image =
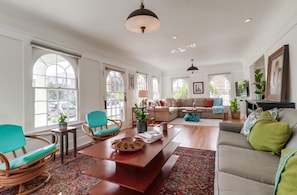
column 192, row 68
column 142, row 21
column 142, row 93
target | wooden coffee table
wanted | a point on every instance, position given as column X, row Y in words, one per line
column 140, row 172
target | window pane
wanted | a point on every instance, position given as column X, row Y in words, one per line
column 40, row 120
column 39, row 68
column 40, row 94
column 38, row 81
column 40, row 107
column 52, row 94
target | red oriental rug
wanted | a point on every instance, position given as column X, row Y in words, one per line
column 193, row 173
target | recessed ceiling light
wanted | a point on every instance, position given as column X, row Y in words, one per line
column 248, row 20
column 173, row 51
column 181, row 49
column 174, row 37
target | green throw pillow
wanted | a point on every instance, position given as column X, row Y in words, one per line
column 285, row 179
column 269, row 135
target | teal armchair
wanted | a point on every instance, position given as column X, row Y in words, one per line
column 96, row 126
column 15, row 170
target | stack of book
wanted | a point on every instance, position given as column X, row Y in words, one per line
column 150, row 136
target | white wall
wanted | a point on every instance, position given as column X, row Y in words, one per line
column 286, row 36
column 235, row 69
column 17, row 95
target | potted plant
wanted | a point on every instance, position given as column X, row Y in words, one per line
column 62, row 121
column 235, row 108
column 141, row 119
column 259, row 84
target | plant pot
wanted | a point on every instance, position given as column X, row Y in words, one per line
column 259, row 97
column 141, row 127
column 63, row 126
column 235, row 114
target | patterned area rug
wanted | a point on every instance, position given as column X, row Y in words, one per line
column 202, row 122
column 193, row 173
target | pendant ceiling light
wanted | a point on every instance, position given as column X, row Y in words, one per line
column 142, row 21
column 192, row 68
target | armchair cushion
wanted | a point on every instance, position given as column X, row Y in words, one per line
column 106, row 131
column 29, row 157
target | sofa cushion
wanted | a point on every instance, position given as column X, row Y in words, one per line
column 175, row 103
column 229, row 184
column 288, row 115
column 233, row 139
column 199, row 102
column 285, row 179
column 250, row 164
column 269, row 135
column 168, row 102
column 187, row 102
column 208, row 102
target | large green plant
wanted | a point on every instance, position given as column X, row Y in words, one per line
column 140, row 114
column 259, row 83
column 234, row 105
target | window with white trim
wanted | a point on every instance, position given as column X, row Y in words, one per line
column 115, row 94
column 55, row 88
column 220, row 87
column 179, row 88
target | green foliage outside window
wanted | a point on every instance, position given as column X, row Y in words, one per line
column 181, row 93
column 213, row 90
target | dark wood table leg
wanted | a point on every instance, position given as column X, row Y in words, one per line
column 74, row 143
column 66, row 134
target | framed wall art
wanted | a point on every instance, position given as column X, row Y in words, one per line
column 278, row 64
column 198, row 88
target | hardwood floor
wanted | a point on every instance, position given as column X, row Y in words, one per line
column 200, row 137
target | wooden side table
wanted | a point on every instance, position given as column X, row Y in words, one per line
column 61, row 134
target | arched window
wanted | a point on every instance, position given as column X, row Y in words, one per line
column 55, row 90
column 179, row 88
column 220, row 87
column 115, row 94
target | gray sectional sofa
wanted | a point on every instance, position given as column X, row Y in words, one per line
column 241, row 170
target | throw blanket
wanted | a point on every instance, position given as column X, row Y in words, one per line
column 217, row 109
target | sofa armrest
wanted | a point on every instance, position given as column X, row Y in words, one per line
column 161, row 109
column 232, row 127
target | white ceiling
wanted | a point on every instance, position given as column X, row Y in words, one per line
column 216, row 26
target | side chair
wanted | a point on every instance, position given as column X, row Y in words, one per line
column 98, row 119
column 17, row 166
